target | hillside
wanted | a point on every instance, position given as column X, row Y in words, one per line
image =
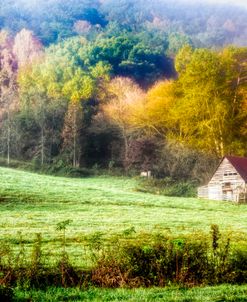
column 33, row 203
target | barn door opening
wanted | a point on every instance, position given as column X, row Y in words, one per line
column 229, row 195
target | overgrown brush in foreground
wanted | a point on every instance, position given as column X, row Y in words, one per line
column 158, row 261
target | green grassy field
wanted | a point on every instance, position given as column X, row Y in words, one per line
column 33, row 203
column 105, row 207
column 223, row 293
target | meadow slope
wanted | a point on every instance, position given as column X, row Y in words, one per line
column 33, row 203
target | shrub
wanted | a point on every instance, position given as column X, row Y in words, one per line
column 146, row 261
column 238, row 267
column 168, row 187
column 6, row 294
column 58, row 168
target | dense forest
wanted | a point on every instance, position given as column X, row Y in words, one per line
column 125, row 84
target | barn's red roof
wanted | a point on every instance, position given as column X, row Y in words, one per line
column 240, row 164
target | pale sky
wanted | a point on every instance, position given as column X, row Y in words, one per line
column 238, row 2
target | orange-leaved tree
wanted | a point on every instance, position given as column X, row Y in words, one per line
column 123, row 99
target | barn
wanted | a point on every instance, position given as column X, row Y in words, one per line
column 229, row 181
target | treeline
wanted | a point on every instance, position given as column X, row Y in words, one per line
column 112, row 102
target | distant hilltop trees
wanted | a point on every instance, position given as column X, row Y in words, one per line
column 205, row 24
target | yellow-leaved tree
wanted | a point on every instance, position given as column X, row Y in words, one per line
column 209, row 109
column 154, row 116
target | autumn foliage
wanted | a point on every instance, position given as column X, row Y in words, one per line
column 70, row 102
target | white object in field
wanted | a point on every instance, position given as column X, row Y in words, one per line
column 147, row 174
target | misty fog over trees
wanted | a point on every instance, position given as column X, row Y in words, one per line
column 204, row 24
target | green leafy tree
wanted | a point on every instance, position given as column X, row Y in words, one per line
column 139, row 56
column 64, row 74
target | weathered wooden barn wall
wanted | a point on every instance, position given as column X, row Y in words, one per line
column 202, row 192
column 226, row 184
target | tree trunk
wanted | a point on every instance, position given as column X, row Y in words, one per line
column 42, row 145
column 126, row 149
column 74, row 137
column 8, row 137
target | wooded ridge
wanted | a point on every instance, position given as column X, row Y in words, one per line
column 89, row 86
